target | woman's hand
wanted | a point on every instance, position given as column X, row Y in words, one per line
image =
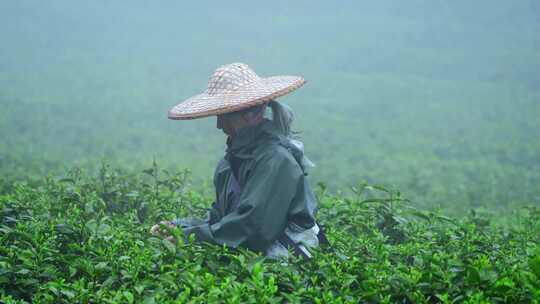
column 158, row 231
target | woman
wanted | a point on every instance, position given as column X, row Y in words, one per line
column 263, row 199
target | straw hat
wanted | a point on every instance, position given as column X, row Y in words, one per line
column 234, row 87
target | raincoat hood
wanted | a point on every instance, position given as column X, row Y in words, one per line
column 247, row 139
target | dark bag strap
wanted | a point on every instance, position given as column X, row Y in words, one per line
column 323, row 240
column 287, row 242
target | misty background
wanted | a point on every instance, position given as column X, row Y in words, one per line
column 440, row 99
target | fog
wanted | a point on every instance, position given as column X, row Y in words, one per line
column 440, row 99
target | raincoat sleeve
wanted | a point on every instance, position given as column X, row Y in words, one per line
column 261, row 215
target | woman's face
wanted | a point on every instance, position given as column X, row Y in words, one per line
column 226, row 124
column 231, row 122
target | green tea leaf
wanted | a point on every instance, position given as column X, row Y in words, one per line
column 129, row 296
column 169, row 246
column 534, row 264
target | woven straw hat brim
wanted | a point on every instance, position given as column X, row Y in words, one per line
column 261, row 91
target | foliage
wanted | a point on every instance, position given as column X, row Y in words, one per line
column 83, row 239
column 439, row 98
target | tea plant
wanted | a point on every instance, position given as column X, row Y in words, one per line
column 83, row 239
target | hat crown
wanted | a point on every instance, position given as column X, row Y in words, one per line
column 230, row 77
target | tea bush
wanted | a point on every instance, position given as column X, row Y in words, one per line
column 83, row 239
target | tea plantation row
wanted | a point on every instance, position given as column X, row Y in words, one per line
column 85, row 239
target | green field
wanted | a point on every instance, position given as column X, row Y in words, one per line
column 437, row 100
column 86, row 240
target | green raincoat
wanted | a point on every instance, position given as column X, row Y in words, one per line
column 274, row 191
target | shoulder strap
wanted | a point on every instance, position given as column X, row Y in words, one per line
column 234, row 186
column 287, row 242
column 323, row 240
